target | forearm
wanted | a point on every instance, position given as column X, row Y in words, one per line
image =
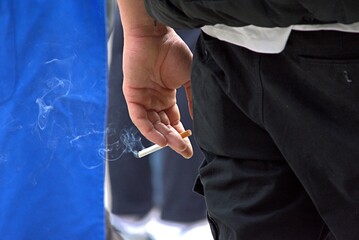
column 136, row 21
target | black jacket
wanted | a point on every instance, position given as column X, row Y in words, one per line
column 264, row 13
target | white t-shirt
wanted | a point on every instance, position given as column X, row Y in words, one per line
column 267, row 40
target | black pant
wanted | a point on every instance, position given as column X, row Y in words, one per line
column 280, row 134
column 130, row 178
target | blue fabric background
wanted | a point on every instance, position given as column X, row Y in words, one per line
column 53, row 68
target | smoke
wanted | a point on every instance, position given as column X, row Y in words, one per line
column 56, row 89
column 127, row 141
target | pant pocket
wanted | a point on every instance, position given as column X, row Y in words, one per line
column 214, row 227
column 198, row 186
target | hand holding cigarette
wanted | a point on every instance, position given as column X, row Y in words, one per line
column 155, row 147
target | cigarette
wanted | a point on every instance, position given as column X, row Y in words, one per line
column 155, row 147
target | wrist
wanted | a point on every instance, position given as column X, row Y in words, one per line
column 137, row 22
column 150, row 29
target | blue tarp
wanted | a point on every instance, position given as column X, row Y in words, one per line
column 53, row 68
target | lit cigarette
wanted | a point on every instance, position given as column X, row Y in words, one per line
column 154, row 148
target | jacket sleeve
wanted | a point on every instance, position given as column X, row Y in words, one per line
column 263, row 13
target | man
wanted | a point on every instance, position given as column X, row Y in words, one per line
column 275, row 109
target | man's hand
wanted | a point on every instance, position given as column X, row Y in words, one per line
column 156, row 62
